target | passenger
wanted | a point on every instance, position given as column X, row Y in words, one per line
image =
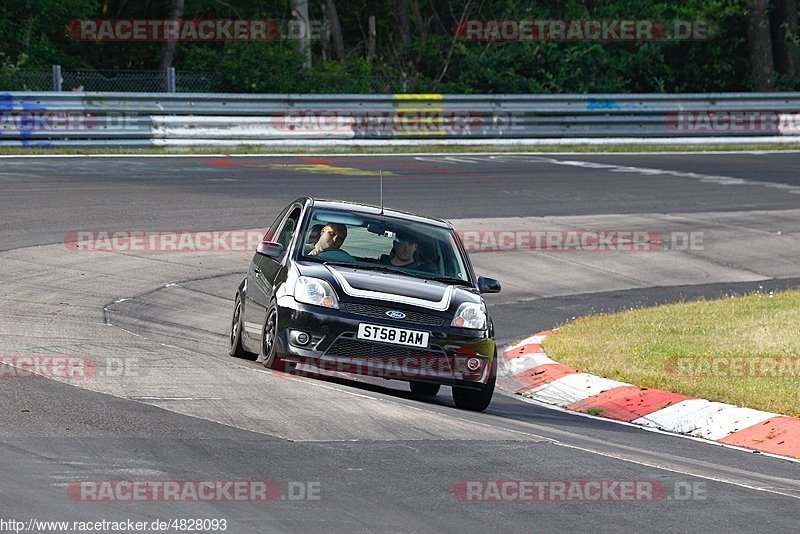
column 404, row 253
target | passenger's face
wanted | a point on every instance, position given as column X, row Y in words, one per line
column 404, row 250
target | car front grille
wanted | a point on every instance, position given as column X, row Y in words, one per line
column 379, row 312
column 350, row 347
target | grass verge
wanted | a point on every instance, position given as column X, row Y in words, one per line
column 740, row 350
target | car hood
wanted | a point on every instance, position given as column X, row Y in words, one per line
column 388, row 287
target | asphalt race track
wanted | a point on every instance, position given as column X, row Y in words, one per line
column 366, row 455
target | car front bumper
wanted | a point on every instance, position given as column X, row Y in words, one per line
column 454, row 356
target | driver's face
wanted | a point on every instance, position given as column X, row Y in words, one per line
column 404, row 250
column 327, row 239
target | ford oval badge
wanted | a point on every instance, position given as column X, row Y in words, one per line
column 394, row 314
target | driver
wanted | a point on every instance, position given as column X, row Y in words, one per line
column 313, row 237
column 329, row 244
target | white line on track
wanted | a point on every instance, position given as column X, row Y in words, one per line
column 646, row 429
column 687, row 472
column 149, row 398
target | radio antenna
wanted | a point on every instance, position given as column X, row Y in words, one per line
column 380, row 172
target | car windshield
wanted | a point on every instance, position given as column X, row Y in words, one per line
column 383, row 243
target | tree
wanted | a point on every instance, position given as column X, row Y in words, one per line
column 26, row 33
column 759, row 42
column 336, row 30
column 783, row 22
column 303, row 44
column 402, row 32
column 168, row 52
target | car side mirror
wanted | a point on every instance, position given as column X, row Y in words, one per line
column 488, row 285
column 270, row 249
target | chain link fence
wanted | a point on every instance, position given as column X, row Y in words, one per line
column 142, row 81
column 27, row 80
column 385, row 85
column 123, row 81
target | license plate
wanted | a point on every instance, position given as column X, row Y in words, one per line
column 389, row 334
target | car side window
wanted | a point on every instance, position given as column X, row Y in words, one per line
column 273, row 229
column 284, row 237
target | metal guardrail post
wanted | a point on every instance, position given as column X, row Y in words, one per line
column 57, row 80
column 171, row 82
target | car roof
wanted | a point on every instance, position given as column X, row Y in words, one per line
column 369, row 209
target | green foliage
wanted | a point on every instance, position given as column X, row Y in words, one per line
column 274, row 67
column 333, row 77
column 784, row 82
column 259, row 68
column 9, row 72
column 36, row 38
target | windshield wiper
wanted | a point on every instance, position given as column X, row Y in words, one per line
column 449, row 280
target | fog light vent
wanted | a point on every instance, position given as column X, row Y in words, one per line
column 299, row 338
column 473, row 364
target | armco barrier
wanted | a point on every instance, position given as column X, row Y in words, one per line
column 130, row 119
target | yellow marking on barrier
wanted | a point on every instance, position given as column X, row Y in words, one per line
column 430, row 116
column 431, row 96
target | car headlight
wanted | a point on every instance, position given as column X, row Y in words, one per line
column 470, row 315
column 315, row 291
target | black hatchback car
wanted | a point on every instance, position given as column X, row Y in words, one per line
column 361, row 289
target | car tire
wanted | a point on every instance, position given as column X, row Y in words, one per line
column 235, row 348
column 269, row 343
column 424, row 388
column 476, row 400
